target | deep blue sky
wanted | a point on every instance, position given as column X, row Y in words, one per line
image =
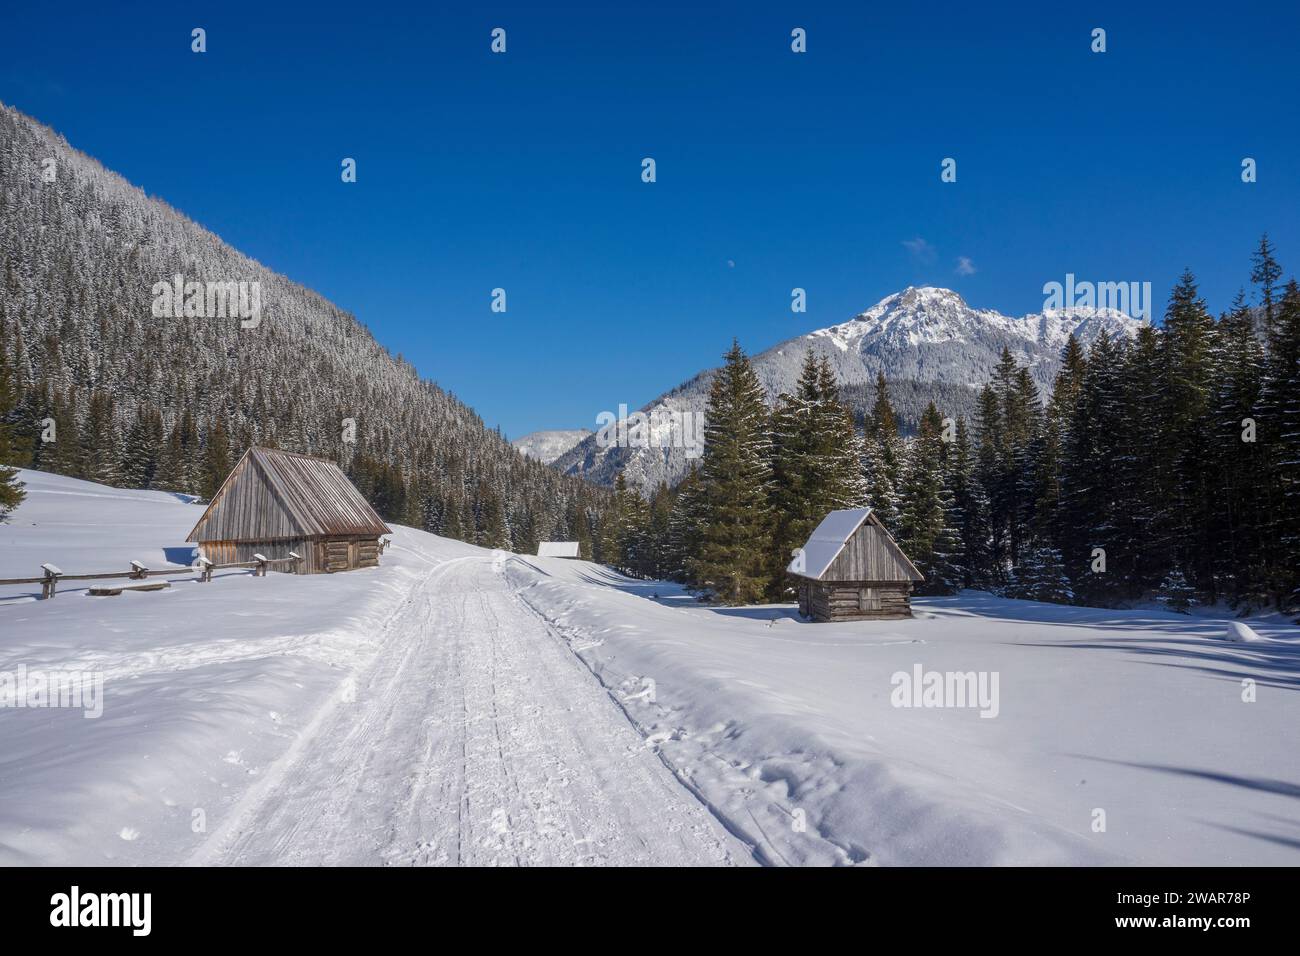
column 523, row 170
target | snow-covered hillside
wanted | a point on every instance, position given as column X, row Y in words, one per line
column 460, row 705
column 546, row 446
column 927, row 340
column 307, row 377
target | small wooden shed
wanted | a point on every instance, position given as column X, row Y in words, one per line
column 274, row 502
column 557, row 549
column 851, row 569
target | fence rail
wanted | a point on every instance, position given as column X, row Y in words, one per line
column 51, row 576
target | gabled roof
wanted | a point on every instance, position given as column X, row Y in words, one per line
column 274, row 494
column 557, row 549
column 828, row 539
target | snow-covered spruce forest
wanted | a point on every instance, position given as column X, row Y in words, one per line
column 165, row 403
column 1164, row 467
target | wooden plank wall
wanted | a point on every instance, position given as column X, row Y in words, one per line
column 248, row 510
column 867, row 556
column 229, row 552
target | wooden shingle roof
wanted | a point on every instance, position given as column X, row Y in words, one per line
column 274, row 494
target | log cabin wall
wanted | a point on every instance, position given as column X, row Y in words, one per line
column 858, row 600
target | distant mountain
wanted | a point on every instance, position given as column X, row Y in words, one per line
column 546, row 446
column 155, row 397
column 929, row 343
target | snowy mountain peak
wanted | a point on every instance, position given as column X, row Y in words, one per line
column 928, row 315
column 546, row 446
column 929, row 342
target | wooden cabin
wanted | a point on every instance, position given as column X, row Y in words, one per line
column 557, row 549
column 274, row 502
column 851, row 569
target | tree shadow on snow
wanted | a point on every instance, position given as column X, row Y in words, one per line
column 1270, row 664
column 992, row 607
column 761, row 612
column 1282, row 788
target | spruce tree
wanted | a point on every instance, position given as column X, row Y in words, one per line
column 882, row 458
column 217, row 461
column 1042, row 577
column 733, row 564
column 11, row 488
column 1140, row 556
column 923, row 532
column 683, row 528
column 815, row 462
column 1089, row 492
column 1237, row 519
column 1283, row 382
column 969, row 511
column 990, row 469
column 142, row 448
column 1175, row 592
column 839, row 446
column 1187, row 344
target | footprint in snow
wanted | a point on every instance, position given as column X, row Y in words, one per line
column 663, row 736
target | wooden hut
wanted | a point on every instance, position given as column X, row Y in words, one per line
column 851, row 569
column 274, row 502
column 557, row 549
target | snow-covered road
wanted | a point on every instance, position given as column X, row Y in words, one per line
column 475, row 737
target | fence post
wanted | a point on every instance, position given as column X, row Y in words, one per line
column 138, row 570
column 205, row 570
column 297, row 561
column 50, row 581
column 260, row 570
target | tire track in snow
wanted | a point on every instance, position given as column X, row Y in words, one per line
column 475, row 738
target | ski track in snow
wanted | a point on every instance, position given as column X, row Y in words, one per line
column 520, row 758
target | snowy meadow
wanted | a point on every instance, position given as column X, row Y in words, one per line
column 459, row 705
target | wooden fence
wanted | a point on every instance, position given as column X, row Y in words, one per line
column 51, row 576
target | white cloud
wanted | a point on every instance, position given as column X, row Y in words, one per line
column 965, row 267
column 919, row 249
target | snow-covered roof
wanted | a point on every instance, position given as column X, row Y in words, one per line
column 827, row 541
column 817, row 555
column 557, row 549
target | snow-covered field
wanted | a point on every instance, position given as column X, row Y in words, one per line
column 460, row 706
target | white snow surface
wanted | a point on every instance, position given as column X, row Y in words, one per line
column 457, row 705
column 1239, row 632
